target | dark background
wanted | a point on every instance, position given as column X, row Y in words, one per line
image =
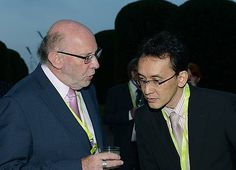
column 207, row 27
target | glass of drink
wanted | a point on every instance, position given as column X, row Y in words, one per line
column 113, row 149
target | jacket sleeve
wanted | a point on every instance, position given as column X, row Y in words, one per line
column 16, row 144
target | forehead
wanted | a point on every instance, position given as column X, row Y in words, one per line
column 79, row 41
column 149, row 66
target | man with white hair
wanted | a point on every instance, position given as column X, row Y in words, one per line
column 49, row 120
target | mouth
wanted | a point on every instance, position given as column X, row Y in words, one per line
column 151, row 100
column 90, row 77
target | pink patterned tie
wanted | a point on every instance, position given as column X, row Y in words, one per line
column 176, row 128
column 73, row 101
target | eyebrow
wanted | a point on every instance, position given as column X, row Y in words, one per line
column 153, row 76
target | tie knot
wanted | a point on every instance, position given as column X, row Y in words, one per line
column 71, row 93
column 72, row 99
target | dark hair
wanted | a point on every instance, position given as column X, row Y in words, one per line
column 194, row 69
column 48, row 43
column 164, row 45
column 132, row 66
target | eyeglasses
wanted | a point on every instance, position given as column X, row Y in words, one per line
column 156, row 83
column 87, row 58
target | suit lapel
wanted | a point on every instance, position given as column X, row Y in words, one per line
column 92, row 110
column 165, row 144
column 58, row 108
column 196, row 125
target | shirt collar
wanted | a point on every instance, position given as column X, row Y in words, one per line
column 178, row 109
column 59, row 85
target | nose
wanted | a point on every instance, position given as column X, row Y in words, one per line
column 95, row 63
column 148, row 88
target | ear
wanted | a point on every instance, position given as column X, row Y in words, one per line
column 55, row 60
column 182, row 78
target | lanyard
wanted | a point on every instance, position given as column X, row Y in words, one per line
column 84, row 126
column 184, row 152
column 133, row 95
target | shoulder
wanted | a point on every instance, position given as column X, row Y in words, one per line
column 211, row 93
column 31, row 86
column 212, row 98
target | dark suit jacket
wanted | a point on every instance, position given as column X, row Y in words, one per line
column 212, row 134
column 118, row 104
column 4, row 88
column 38, row 131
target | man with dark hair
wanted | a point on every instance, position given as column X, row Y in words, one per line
column 119, row 113
column 50, row 120
column 181, row 126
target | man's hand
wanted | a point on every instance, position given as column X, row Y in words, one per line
column 101, row 160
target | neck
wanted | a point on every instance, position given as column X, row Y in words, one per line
column 174, row 101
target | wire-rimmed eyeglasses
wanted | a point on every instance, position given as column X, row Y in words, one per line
column 87, row 58
column 156, row 83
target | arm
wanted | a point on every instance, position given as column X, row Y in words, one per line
column 16, row 142
column 18, row 145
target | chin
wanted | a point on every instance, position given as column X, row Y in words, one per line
column 154, row 105
column 86, row 84
column 82, row 84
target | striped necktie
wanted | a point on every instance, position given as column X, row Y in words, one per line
column 176, row 128
column 73, row 101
